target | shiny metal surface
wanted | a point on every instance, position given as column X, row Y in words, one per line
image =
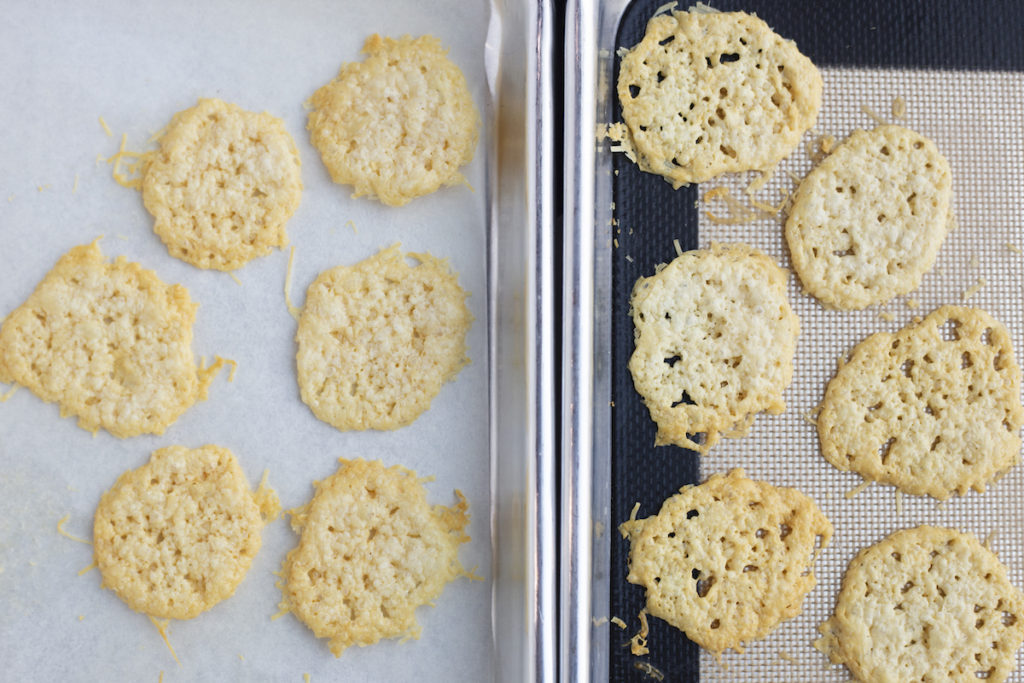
column 586, row 341
column 521, row 299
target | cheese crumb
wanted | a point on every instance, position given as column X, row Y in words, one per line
column 649, row 670
column 871, row 113
column 106, row 128
column 857, row 489
column 899, row 107
column 638, row 643
column 974, row 289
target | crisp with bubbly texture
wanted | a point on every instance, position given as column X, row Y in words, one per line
column 715, row 337
column 397, row 125
column 177, row 535
column 709, row 93
column 933, row 409
column 727, row 561
column 108, row 342
column 223, row 185
column 867, row 223
column 377, row 340
column 372, row 550
column 926, row 604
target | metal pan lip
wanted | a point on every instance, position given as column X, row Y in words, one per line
column 586, row 338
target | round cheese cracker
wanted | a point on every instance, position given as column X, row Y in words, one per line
column 397, row 125
column 222, row 185
column 372, row 550
column 709, row 93
column 933, row 409
column 177, row 535
column 377, row 340
column 727, row 561
column 108, row 342
column 867, row 223
column 715, row 337
column 926, row 604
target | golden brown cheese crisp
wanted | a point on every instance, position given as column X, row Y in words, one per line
column 727, row 561
column 108, row 342
column 715, row 337
column 177, row 535
column 709, row 93
column 933, row 409
column 926, row 604
column 223, row 185
column 397, row 125
column 377, row 340
column 372, row 550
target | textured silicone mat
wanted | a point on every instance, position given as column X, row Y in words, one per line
column 976, row 117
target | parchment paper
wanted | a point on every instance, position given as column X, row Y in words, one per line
column 63, row 65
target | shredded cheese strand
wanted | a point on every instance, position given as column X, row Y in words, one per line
column 161, row 626
column 295, row 312
column 60, row 530
column 856, row 490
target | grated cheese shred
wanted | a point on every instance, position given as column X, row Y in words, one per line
column 974, row 289
column 873, row 115
column 65, row 534
column 295, row 312
column 857, row 490
column 161, row 626
column 128, row 173
column 638, row 643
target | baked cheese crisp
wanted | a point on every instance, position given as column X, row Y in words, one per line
column 397, row 125
column 867, row 223
column 377, row 340
column 372, row 550
column 177, row 535
column 933, row 409
column 715, row 337
column 926, row 604
column 108, row 342
column 727, row 561
column 709, row 93
column 223, row 185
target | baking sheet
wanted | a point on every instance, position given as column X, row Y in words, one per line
column 135, row 64
column 974, row 116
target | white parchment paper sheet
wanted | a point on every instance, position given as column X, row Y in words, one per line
column 63, row 65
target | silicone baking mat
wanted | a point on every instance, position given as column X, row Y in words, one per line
column 961, row 81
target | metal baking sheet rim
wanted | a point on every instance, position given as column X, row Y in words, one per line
column 586, row 339
column 522, row 383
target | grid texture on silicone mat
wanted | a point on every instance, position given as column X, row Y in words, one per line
column 972, row 118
